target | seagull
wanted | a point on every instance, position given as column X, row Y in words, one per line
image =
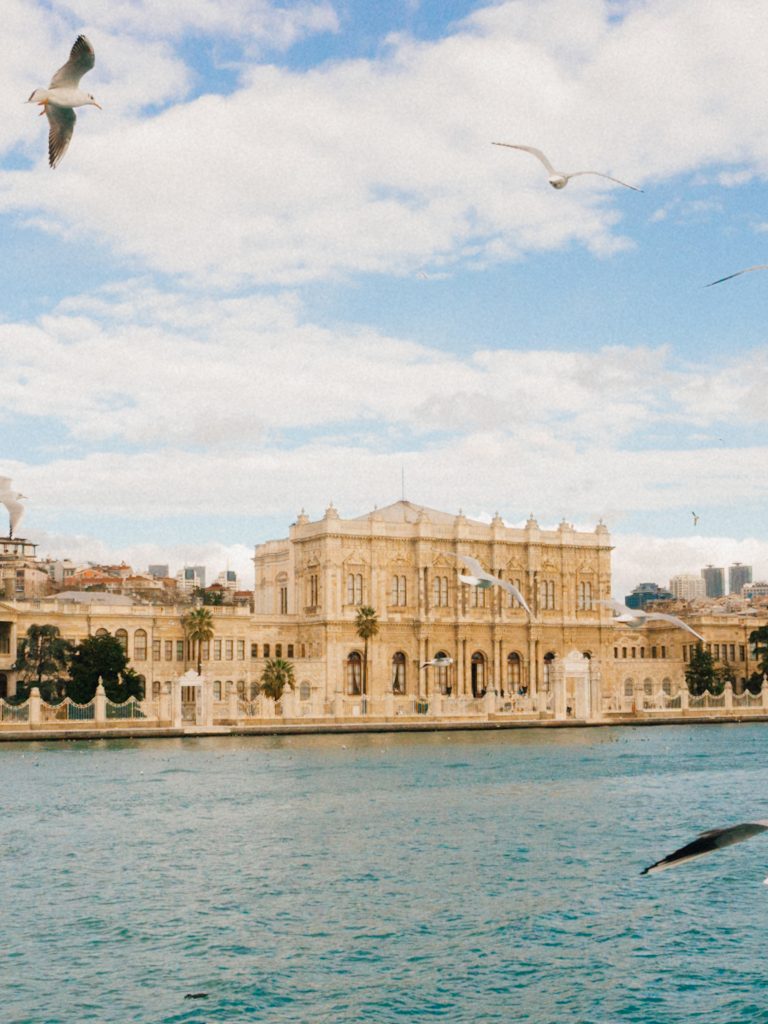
column 559, row 179
column 439, row 661
column 708, row 842
column 485, row 580
column 695, row 519
column 636, row 619
column 747, row 270
column 10, row 499
column 63, row 95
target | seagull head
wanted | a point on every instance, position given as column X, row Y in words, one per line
column 558, row 181
column 92, row 102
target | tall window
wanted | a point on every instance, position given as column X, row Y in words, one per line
column 229, row 649
column 278, row 650
column 206, row 651
column 217, row 650
column 511, row 599
column 399, row 592
column 283, row 600
column 355, row 588
column 478, row 674
column 179, row 650
column 549, row 657
column 514, row 672
column 398, row 672
column 440, row 592
column 313, row 590
column 241, row 650
column 477, row 599
column 169, row 650
column 155, row 650
column 442, row 678
column 547, row 595
column 354, row 673
column 122, row 636
column 584, row 597
column 140, row 645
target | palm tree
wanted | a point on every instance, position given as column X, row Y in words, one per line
column 367, row 626
column 42, row 660
column 198, row 625
column 277, row 674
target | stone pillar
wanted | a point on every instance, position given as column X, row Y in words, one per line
column 728, row 693
column 684, row 695
column 557, row 682
column 489, row 702
column 233, row 710
column 100, row 704
column 288, row 702
column 176, row 704
column 34, row 702
column 497, row 663
column 389, row 704
column 205, row 711
column 461, row 676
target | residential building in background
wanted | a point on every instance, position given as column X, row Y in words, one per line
column 644, row 593
column 687, row 586
column 714, row 581
column 738, row 575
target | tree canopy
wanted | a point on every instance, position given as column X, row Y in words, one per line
column 277, row 675
column 42, row 660
column 366, row 626
column 198, row 625
column 102, row 657
column 700, row 673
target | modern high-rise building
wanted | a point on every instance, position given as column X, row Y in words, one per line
column 714, row 581
column 738, row 575
column 687, row 586
column 644, row 593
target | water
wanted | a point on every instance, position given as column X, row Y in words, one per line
column 470, row 877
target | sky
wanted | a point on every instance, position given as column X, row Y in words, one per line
column 284, row 266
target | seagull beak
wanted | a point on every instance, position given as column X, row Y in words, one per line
column 95, row 104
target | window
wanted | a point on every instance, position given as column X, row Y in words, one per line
column 633, row 651
column 629, row 688
column 549, row 657
column 290, row 650
column 305, row 691
column 266, row 650
column 442, row 677
column 241, row 650
column 169, row 650
column 241, row 687
column 354, row 673
column 623, row 652
column 206, row 650
column 303, row 649
column 179, row 650
column 547, row 595
column 685, row 652
column 217, row 650
column 278, row 650
column 155, row 690
column 512, row 601
column 313, row 591
column 663, row 651
column 229, row 649
column 355, row 588
column 140, row 645
column 654, row 652
column 717, row 652
column 742, row 652
column 122, row 636
column 584, row 597
column 156, row 650
column 254, row 650
column 615, row 652
column 514, row 672
column 642, row 652
column 478, row 674
column 648, row 688
column 101, row 632
column 358, row 589
column 398, row 672
column 217, row 689
column 477, row 598
column 283, row 600
column 732, row 652
column 666, row 687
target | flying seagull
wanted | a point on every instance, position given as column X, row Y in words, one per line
column 10, row 499
column 695, row 519
column 62, row 96
column 485, row 580
column 559, row 179
column 439, row 662
column 708, row 842
column 634, row 618
column 747, row 270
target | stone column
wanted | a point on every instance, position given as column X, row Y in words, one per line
column 684, row 695
column 233, row 710
column 100, row 704
column 489, row 702
column 176, row 704
column 34, row 702
column 389, row 704
column 728, row 693
column 288, row 703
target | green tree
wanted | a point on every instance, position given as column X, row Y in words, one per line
column 700, row 672
column 198, row 625
column 366, row 626
column 758, row 638
column 42, row 660
column 277, row 674
column 102, row 657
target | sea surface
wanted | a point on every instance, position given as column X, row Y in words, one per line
column 463, row 877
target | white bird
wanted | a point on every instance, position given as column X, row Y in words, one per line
column 10, row 499
column 695, row 519
column 635, row 618
column 63, row 95
column 559, row 179
column 708, row 842
column 747, row 270
column 485, row 580
column 439, row 661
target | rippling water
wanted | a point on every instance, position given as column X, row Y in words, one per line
column 461, row 877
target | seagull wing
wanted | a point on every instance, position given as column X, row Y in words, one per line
column 600, row 174
column 708, row 842
column 62, row 122
column 474, row 565
column 747, row 270
column 473, row 581
column 618, row 607
column 512, row 589
column 81, row 60
column 5, row 484
column 530, row 149
column 675, row 621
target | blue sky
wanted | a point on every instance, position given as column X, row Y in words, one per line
column 284, row 263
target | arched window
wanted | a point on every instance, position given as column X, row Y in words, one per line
column 241, row 687
column 647, row 687
column 478, row 674
column 140, row 645
column 514, row 672
column 156, row 689
column 629, row 688
column 101, row 632
column 442, row 675
column 584, row 597
column 398, row 672
column 549, row 657
column 354, row 673
column 305, row 691
column 666, row 687
column 122, row 636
